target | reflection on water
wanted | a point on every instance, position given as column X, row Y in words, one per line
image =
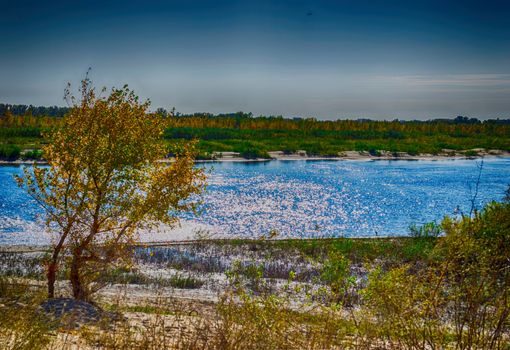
column 309, row 198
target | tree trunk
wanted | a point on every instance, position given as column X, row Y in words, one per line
column 52, row 276
column 79, row 291
column 53, row 264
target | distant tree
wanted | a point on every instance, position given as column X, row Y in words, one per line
column 3, row 108
column 104, row 183
column 465, row 120
column 21, row 110
column 162, row 112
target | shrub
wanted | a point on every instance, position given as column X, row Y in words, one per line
column 35, row 154
column 428, row 230
column 471, row 153
column 254, row 153
column 9, row 152
column 336, row 273
column 402, row 308
column 373, row 152
column 459, row 297
column 476, row 263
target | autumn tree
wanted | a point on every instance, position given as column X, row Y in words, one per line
column 104, row 183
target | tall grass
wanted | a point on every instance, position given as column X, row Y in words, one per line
column 21, row 324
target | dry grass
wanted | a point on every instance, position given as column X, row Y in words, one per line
column 453, row 295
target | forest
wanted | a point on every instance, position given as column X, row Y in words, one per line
column 22, row 126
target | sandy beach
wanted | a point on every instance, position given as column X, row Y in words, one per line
column 347, row 155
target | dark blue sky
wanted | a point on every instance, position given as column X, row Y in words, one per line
column 329, row 59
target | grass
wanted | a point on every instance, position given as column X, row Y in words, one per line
column 331, row 143
column 21, row 325
column 423, row 292
column 356, row 249
column 122, row 276
column 143, row 308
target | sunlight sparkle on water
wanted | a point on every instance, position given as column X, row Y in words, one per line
column 305, row 198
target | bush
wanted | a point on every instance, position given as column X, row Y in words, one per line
column 471, row 153
column 458, row 298
column 254, row 153
column 35, row 154
column 476, row 260
column 413, row 150
column 430, row 229
column 373, row 152
column 336, row 273
column 9, row 152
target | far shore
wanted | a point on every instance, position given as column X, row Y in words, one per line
column 446, row 154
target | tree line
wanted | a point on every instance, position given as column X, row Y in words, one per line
column 31, row 116
column 51, row 111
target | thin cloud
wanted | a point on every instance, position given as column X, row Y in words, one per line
column 466, row 80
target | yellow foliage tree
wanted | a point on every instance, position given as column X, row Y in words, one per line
column 105, row 182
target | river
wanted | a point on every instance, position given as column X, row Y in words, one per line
column 305, row 198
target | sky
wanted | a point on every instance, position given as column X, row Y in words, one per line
column 325, row 59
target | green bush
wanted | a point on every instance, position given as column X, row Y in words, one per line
column 9, row 152
column 35, row 154
column 254, row 153
column 336, row 273
column 430, row 229
column 373, row 152
column 471, row 153
column 459, row 298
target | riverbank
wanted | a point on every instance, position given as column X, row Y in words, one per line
column 294, row 294
column 201, row 270
column 377, row 155
column 447, row 154
column 174, row 293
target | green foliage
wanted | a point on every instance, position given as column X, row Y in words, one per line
column 256, row 136
column 336, row 273
column 471, row 153
column 11, row 132
column 9, row 152
column 460, row 297
column 269, row 322
column 428, row 230
column 391, row 250
column 247, row 275
column 185, row 282
column 254, row 153
column 35, row 154
column 404, row 309
column 374, row 152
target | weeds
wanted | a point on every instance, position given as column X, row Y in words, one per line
column 126, row 276
column 21, row 325
column 426, row 292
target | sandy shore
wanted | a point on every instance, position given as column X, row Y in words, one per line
column 446, row 154
column 360, row 155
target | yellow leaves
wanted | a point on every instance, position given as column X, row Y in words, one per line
column 104, row 181
column 19, row 180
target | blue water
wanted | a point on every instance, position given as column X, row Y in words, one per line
column 308, row 198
